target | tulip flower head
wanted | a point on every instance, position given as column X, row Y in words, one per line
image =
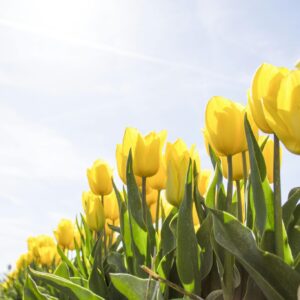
column 94, row 211
column 283, row 115
column 203, row 181
column 224, row 122
column 100, row 178
column 65, row 234
column 111, row 208
column 148, row 153
column 122, row 152
column 178, row 157
column 237, row 166
column 265, row 86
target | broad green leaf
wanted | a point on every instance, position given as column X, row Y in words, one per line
column 80, row 281
column 203, row 237
column 290, row 205
column 62, row 270
column 138, row 229
column 116, row 262
column 187, row 248
column 253, row 291
column 135, row 288
column 293, row 232
column 67, row 287
column 125, row 229
column 258, row 175
column 262, row 266
column 31, row 291
column 96, row 281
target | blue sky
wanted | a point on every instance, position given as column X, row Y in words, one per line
column 74, row 74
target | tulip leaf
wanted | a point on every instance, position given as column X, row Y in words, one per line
column 62, row 270
column 165, row 255
column 67, row 287
column 135, row 288
column 124, row 228
column 188, row 251
column 116, row 262
column 290, row 205
column 253, row 291
column 96, row 283
column 31, row 291
column 262, row 266
column 203, row 236
column 293, row 232
column 138, row 229
column 215, row 295
column 258, row 176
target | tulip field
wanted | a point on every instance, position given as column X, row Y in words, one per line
column 173, row 230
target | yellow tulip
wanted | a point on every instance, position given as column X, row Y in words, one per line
column 65, row 234
column 265, row 86
column 203, row 181
column 122, row 152
column 159, row 180
column 237, row 166
column 100, row 178
column 48, row 256
column 94, row 211
column 147, row 153
column 283, row 115
column 224, row 121
column 23, row 261
column 268, row 153
column 177, row 157
column 111, row 208
column 151, row 196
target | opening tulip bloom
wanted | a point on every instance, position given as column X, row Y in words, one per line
column 65, row 234
column 178, row 157
column 111, row 208
column 122, row 152
column 159, row 180
column 224, row 121
column 265, row 86
column 147, row 153
column 100, row 178
column 283, row 114
column 94, row 211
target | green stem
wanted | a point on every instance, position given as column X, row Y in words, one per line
column 229, row 183
column 277, row 199
column 104, row 232
column 157, row 211
column 239, row 200
column 144, row 203
column 245, row 175
column 228, row 288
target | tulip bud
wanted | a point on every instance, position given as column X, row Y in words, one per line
column 283, row 115
column 65, row 234
column 265, row 85
column 147, row 153
column 100, row 178
column 178, row 157
column 237, row 166
column 159, row 180
column 151, row 196
column 268, row 153
column 111, row 208
column 94, row 211
column 122, row 152
column 224, row 121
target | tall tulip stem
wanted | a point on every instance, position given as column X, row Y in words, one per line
column 157, row 211
column 239, row 200
column 245, row 175
column 144, row 203
column 229, row 183
column 277, row 199
column 228, row 287
column 104, row 232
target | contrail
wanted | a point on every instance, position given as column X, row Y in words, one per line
column 110, row 49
